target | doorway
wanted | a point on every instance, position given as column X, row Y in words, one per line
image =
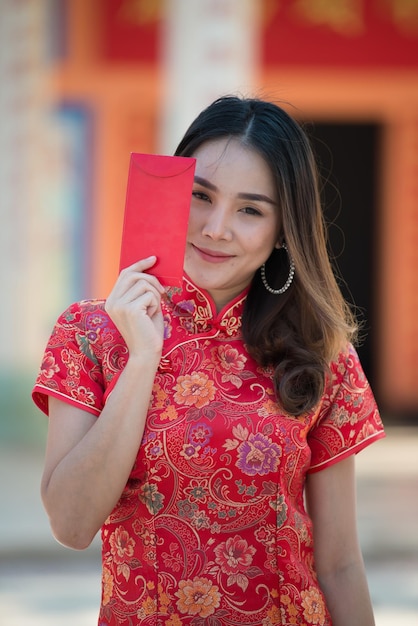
column 347, row 155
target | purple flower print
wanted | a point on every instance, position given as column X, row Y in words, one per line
column 200, row 434
column 186, row 306
column 258, row 455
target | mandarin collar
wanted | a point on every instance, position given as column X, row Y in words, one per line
column 195, row 310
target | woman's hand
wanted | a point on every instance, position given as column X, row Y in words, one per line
column 88, row 460
column 134, row 305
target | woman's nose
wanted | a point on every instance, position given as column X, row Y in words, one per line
column 217, row 225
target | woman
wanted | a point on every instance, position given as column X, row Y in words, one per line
column 191, row 425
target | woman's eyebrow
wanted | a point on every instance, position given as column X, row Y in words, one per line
column 205, row 183
column 255, row 197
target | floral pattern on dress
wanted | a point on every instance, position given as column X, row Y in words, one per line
column 211, row 527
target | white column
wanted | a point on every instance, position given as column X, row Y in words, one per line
column 22, row 215
column 210, row 48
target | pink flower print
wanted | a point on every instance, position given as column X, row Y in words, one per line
column 230, row 359
column 232, row 364
column 121, row 545
column 234, row 555
column 49, row 366
column 258, row 455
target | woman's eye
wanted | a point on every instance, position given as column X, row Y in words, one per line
column 250, row 210
column 200, row 195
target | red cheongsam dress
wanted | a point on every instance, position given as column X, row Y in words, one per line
column 211, row 528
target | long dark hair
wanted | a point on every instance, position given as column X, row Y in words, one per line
column 300, row 332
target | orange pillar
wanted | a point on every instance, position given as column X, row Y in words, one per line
column 124, row 102
column 398, row 314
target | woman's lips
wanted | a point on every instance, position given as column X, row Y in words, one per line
column 212, row 256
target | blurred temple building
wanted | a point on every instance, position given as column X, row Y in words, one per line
column 84, row 84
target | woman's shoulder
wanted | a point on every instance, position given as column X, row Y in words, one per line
column 346, row 368
column 346, row 357
column 91, row 304
column 86, row 330
column 84, row 312
column 85, row 319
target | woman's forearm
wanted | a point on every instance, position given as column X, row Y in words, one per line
column 84, row 486
column 347, row 596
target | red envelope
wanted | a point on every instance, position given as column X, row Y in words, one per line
column 157, row 210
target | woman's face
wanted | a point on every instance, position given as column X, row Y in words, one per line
column 234, row 218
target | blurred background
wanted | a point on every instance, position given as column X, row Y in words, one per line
column 84, row 84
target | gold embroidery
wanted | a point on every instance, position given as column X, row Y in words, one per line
column 404, row 13
column 343, row 16
column 142, row 11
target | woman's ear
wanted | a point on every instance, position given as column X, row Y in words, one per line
column 280, row 240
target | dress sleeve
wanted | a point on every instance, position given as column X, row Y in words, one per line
column 72, row 366
column 348, row 418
